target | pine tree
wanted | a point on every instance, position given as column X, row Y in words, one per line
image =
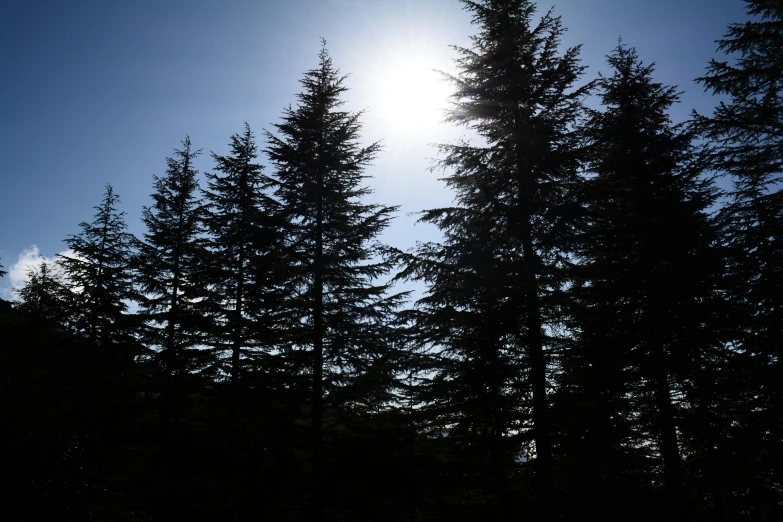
column 171, row 279
column 98, row 268
column 98, row 271
column 493, row 283
column 341, row 307
column 247, row 277
column 746, row 133
column 45, row 296
column 45, row 372
column 643, row 285
column 246, row 233
column 76, row 440
column 470, row 373
column 171, row 263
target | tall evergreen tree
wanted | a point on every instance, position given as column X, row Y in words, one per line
column 246, row 239
column 746, row 132
column 643, row 286
column 172, row 282
column 98, row 268
column 170, row 263
column 471, row 378
column 247, row 276
column 493, row 283
column 342, row 308
column 98, row 274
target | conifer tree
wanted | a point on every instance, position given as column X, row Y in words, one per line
column 246, row 234
column 46, row 375
column 170, row 263
column 746, row 132
column 247, row 276
column 470, row 374
column 643, row 285
column 74, row 440
column 172, row 283
column 98, row 268
column 341, row 306
column 45, row 296
column 493, row 281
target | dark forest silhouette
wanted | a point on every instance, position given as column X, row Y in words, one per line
column 599, row 337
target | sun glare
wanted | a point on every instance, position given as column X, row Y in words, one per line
column 410, row 95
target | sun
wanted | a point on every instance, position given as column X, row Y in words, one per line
column 409, row 95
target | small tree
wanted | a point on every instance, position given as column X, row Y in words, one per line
column 45, row 296
column 98, row 269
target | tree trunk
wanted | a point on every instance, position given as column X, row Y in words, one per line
column 170, row 366
column 169, row 357
column 535, row 343
column 541, row 430
column 318, row 361
column 236, row 400
column 667, row 426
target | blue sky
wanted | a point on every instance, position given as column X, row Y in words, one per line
column 97, row 92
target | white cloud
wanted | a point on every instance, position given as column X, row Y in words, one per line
column 17, row 272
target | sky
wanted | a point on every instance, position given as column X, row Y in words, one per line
column 95, row 92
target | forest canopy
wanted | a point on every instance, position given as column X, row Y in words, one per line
column 599, row 333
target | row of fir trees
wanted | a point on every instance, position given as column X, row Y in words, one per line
column 599, row 337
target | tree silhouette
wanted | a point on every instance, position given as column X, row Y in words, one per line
column 598, row 337
column 98, row 269
column 246, row 235
column 507, row 234
column 172, row 283
column 645, row 274
column 247, row 273
column 747, row 138
column 45, row 296
column 335, row 263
